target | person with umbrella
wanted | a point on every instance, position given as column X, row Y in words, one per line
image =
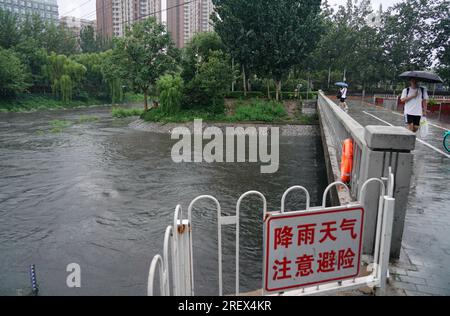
column 342, row 95
column 416, row 97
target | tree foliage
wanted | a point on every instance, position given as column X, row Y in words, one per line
column 170, row 89
column 144, row 54
column 12, row 74
column 206, row 71
column 65, row 76
column 270, row 37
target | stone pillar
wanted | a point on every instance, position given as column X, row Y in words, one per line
column 386, row 147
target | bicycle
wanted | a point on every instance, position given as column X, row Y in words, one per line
column 447, row 141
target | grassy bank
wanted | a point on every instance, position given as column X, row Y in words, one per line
column 244, row 111
column 37, row 102
column 121, row 112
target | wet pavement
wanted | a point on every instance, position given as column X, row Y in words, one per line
column 424, row 265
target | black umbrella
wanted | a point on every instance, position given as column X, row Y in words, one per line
column 423, row 76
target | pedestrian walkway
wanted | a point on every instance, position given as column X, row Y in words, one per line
column 424, row 265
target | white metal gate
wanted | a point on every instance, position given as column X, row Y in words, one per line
column 179, row 237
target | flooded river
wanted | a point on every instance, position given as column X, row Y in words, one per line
column 100, row 194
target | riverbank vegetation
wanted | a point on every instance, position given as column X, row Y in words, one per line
column 122, row 112
column 240, row 60
column 243, row 111
column 46, row 66
column 30, row 102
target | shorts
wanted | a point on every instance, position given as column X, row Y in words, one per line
column 413, row 119
column 343, row 100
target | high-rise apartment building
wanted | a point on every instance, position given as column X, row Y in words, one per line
column 75, row 24
column 186, row 18
column 113, row 16
column 46, row 9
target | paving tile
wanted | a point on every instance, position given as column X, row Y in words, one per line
column 413, row 280
column 416, row 293
column 398, row 271
column 424, row 266
column 403, row 285
column 433, row 290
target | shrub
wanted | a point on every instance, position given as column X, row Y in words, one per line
column 257, row 110
column 121, row 113
column 240, row 95
column 170, row 97
column 432, row 102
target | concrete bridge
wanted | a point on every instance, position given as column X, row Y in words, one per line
column 420, row 251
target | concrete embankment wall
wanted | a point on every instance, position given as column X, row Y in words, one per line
column 377, row 149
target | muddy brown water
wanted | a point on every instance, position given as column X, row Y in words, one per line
column 101, row 194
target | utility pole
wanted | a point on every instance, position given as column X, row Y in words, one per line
column 234, row 81
column 329, row 76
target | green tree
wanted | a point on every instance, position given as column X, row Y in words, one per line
column 277, row 34
column 210, row 84
column 111, row 76
column 12, row 74
column 88, row 42
column 94, row 82
column 33, row 28
column 9, row 30
column 170, row 93
column 440, row 36
column 349, row 48
column 65, row 75
column 59, row 40
column 234, row 22
column 144, row 54
column 406, row 38
column 66, row 87
column 199, row 49
column 34, row 59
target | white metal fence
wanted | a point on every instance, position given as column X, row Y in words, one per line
column 179, row 238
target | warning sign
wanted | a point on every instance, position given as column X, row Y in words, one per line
column 312, row 247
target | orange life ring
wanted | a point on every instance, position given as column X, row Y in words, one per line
column 347, row 160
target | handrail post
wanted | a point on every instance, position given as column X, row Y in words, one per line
column 387, row 148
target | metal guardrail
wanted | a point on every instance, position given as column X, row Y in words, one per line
column 180, row 238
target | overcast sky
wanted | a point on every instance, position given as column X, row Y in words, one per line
column 86, row 8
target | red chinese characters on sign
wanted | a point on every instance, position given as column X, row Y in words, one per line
column 312, row 247
column 283, row 237
column 281, row 269
column 306, row 234
column 349, row 224
column 328, row 230
column 304, row 266
column 327, row 261
column 346, row 259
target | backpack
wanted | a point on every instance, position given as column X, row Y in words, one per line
column 421, row 89
column 339, row 95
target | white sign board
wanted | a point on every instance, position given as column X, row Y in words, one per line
column 312, row 247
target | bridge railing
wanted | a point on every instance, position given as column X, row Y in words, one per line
column 377, row 149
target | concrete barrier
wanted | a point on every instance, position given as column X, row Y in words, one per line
column 376, row 149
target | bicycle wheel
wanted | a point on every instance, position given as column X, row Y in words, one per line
column 447, row 141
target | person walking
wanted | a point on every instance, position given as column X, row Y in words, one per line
column 416, row 103
column 343, row 100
